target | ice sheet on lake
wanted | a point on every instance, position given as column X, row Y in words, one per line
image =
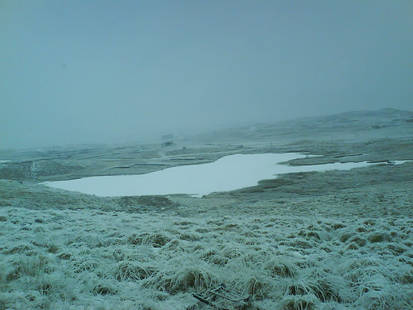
column 226, row 174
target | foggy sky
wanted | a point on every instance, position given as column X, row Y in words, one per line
column 115, row 71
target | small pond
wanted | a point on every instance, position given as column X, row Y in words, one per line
column 226, row 174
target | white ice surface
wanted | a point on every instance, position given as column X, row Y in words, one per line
column 400, row 162
column 227, row 173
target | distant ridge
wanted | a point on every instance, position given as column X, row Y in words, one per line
column 382, row 113
column 340, row 125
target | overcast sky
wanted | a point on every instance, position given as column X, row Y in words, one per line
column 106, row 71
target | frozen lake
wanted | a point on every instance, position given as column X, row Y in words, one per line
column 226, row 174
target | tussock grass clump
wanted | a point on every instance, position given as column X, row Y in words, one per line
column 309, row 234
column 231, row 252
column 359, row 241
column 173, row 245
column 104, row 289
column 281, row 267
column 406, row 277
column 53, row 248
column 53, row 284
column 326, row 290
column 386, row 298
column 379, row 237
column 355, row 269
column 302, row 302
column 126, row 270
column 44, row 288
column 300, row 244
column 346, row 236
column 184, row 223
column 352, row 246
column 187, row 279
column 190, row 237
column 258, row 287
column 213, row 257
column 29, row 266
column 64, row 256
column 337, row 226
column 20, row 249
column 135, row 239
column 296, row 287
column 157, row 240
column 85, row 265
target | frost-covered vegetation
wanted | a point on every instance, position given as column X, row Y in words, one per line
column 347, row 250
column 332, row 240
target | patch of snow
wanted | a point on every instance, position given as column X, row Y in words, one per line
column 400, row 162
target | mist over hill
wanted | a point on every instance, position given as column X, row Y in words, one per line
column 355, row 125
